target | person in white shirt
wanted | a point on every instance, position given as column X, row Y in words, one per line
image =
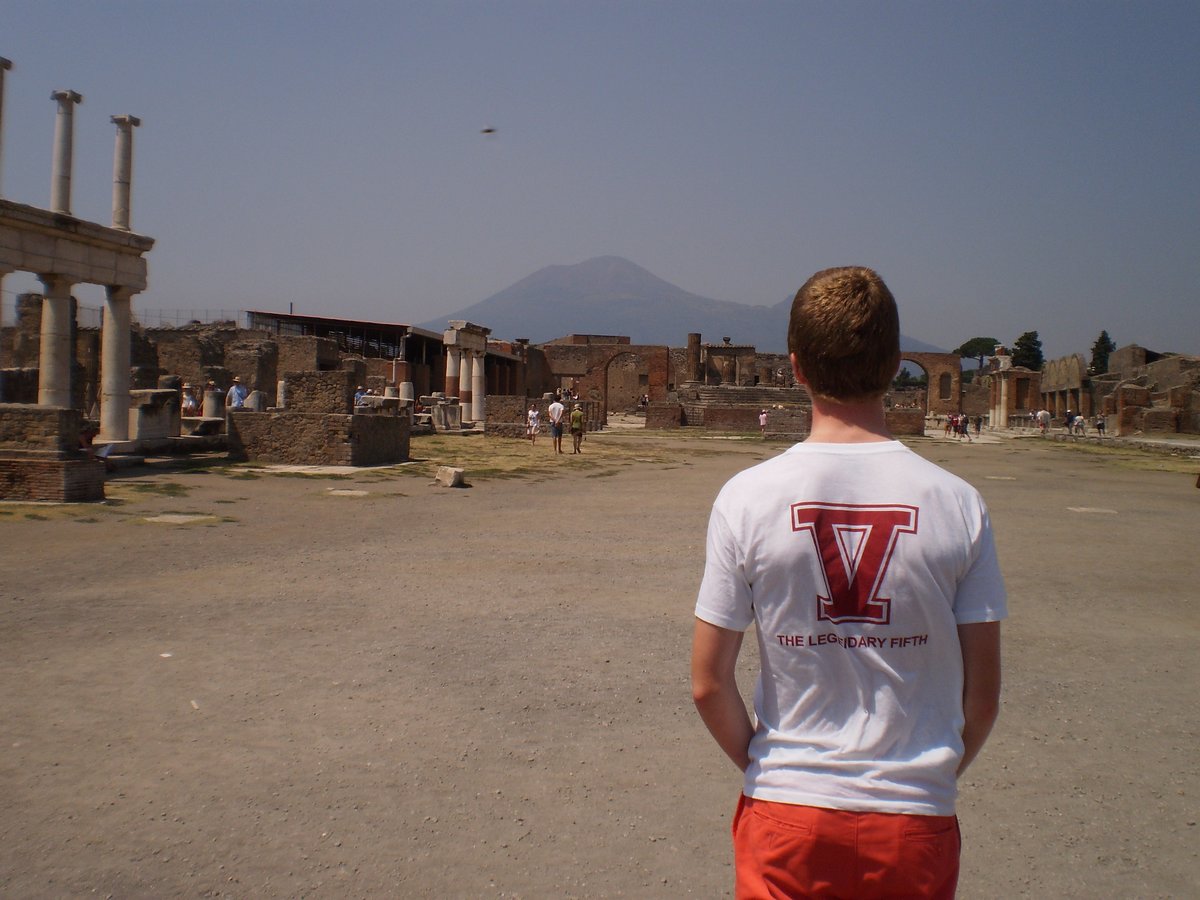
column 872, row 581
column 556, row 412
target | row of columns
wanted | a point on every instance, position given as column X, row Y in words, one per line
column 57, row 350
column 466, row 379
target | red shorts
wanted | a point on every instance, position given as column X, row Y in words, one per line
column 782, row 850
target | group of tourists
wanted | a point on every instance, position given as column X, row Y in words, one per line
column 557, row 413
column 959, row 425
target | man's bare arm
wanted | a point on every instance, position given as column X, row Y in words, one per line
column 980, row 643
column 715, row 691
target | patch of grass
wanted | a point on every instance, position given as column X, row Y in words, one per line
column 243, row 476
column 37, row 517
column 333, row 476
column 165, row 488
column 89, row 520
column 224, row 501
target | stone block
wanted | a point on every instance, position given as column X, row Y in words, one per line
column 449, row 476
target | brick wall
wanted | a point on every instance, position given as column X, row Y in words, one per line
column 664, row 415
column 907, row 421
column 323, row 439
column 320, row 392
column 44, row 428
column 57, row 480
column 40, row 457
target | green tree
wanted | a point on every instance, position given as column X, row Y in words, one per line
column 979, row 348
column 1100, row 350
column 906, row 379
column 1027, row 351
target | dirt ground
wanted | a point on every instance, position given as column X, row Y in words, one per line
column 237, row 682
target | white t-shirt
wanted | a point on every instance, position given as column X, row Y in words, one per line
column 856, row 563
column 556, row 412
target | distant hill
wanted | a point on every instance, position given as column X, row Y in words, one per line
column 611, row 295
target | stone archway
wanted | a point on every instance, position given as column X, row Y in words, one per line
column 626, row 378
column 944, row 374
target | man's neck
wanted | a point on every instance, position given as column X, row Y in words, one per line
column 860, row 422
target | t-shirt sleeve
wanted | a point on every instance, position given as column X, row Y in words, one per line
column 725, row 599
column 981, row 596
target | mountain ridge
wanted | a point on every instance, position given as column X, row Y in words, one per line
column 612, row 295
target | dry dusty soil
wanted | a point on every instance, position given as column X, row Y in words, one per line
column 239, row 683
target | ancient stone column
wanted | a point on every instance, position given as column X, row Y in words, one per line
column 452, row 366
column 1004, row 411
column 464, row 386
column 114, row 366
column 54, row 363
column 693, row 357
column 122, row 169
column 5, row 65
column 478, row 389
column 64, row 142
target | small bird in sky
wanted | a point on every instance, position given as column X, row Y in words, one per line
column 488, row 130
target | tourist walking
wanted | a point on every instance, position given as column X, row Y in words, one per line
column 531, row 425
column 577, row 429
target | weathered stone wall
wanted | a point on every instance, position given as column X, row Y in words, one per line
column 254, row 361
column 304, row 353
column 184, row 353
column 321, row 392
column 40, row 458
column 908, row 421
column 328, row 439
column 664, row 415
column 628, row 379
column 44, row 428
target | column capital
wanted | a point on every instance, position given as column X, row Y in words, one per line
column 5, row 64
column 64, row 96
column 119, row 291
column 50, row 281
column 125, row 120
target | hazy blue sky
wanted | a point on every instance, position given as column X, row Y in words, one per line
column 1006, row 166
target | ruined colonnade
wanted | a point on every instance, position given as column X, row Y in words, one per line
column 466, row 347
column 63, row 251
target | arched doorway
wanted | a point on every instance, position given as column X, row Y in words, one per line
column 943, row 373
column 626, row 381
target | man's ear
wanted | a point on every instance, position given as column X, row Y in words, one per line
column 796, row 370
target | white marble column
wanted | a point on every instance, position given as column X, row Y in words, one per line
column 478, row 390
column 122, row 169
column 5, row 65
column 114, row 366
column 452, row 369
column 64, row 143
column 54, row 363
column 464, row 386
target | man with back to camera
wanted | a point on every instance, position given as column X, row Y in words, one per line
column 556, row 410
column 872, row 579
